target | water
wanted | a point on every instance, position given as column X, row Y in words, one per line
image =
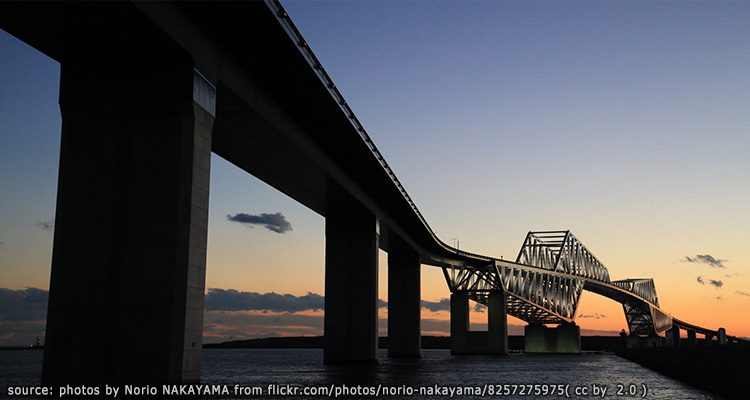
column 273, row 373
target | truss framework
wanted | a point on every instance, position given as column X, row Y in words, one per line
column 545, row 283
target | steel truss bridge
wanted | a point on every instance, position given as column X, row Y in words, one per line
column 544, row 285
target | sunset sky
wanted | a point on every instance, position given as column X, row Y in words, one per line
column 626, row 122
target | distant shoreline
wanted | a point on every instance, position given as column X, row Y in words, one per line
column 515, row 343
column 588, row 343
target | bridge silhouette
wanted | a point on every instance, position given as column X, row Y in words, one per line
column 148, row 91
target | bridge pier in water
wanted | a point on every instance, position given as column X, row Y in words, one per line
column 129, row 257
column 673, row 336
column 492, row 341
column 404, row 299
column 565, row 339
column 351, row 281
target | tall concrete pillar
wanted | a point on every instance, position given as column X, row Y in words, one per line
column 691, row 338
column 129, row 255
column 351, row 281
column 722, row 335
column 404, row 299
column 673, row 336
column 459, row 321
column 497, row 323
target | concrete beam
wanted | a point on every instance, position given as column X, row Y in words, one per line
column 129, row 256
column 404, row 299
column 351, row 281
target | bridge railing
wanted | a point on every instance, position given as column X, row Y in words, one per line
column 326, row 80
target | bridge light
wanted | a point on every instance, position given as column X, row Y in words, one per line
column 302, row 43
column 283, row 14
column 331, row 86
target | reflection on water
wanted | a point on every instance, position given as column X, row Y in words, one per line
column 277, row 372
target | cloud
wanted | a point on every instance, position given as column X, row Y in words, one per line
column 478, row 307
column 592, row 316
column 220, row 325
column 743, row 293
column 273, row 222
column 23, row 315
column 47, row 226
column 717, row 284
column 29, row 304
column 233, row 300
column 705, row 259
column 434, row 306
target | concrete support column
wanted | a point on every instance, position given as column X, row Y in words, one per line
column 673, row 336
column 708, row 339
column 722, row 335
column 129, row 255
column 691, row 338
column 404, row 299
column 497, row 323
column 536, row 339
column 568, row 339
column 351, row 281
column 459, row 321
column 565, row 339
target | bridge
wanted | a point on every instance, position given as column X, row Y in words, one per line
column 543, row 287
column 148, row 91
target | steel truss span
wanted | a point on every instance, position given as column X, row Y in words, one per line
column 544, row 284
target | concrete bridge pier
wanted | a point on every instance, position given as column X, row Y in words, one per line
column 351, row 280
column 722, row 335
column 708, row 338
column 129, row 256
column 673, row 336
column 404, row 299
column 692, row 340
column 492, row 341
column 565, row 339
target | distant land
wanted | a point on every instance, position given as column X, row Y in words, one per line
column 515, row 343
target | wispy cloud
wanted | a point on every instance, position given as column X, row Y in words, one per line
column 592, row 316
column 705, row 259
column 713, row 282
column 47, row 226
column 273, row 222
column 743, row 293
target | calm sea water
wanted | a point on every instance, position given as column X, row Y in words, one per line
column 275, row 373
